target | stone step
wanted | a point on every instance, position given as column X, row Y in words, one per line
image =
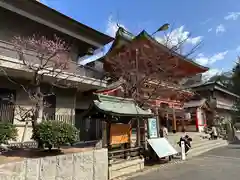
column 196, row 151
column 196, row 144
column 202, row 146
column 208, row 147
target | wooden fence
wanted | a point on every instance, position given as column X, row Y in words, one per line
column 7, row 112
column 63, row 118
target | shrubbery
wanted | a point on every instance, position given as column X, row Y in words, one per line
column 8, row 132
column 55, row 133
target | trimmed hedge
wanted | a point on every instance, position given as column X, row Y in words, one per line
column 8, row 132
column 55, row 133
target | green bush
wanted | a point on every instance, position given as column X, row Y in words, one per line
column 8, row 132
column 55, row 133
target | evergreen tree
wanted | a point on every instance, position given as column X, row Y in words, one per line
column 225, row 79
column 236, row 89
column 236, row 78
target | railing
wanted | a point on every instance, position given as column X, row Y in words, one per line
column 61, row 117
column 124, row 154
column 7, row 49
column 28, row 144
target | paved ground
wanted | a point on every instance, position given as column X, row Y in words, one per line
column 219, row 164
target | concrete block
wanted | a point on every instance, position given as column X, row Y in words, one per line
column 10, row 177
column 48, row 168
column 64, row 169
column 88, row 165
column 126, row 167
column 99, row 144
column 83, row 165
column 14, row 170
column 100, row 164
column 32, row 169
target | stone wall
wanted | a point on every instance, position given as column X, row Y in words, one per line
column 125, row 167
column 88, row 165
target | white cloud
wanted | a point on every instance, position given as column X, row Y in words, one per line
column 111, row 29
column 194, row 40
column 206, row 21
column 220, row 29
column 201, row 59
column 238, row 49
column 210, row 73
column 206, row 60
column 112, row 26
column 210, row 29
column 217, row 57
column 200, row 55
column 232, row 16
column 177, row 36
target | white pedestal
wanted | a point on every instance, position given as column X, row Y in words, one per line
column 183, row 150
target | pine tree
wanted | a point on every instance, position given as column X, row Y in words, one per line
column 225, row 79
column 236, row 89
column 236, row 78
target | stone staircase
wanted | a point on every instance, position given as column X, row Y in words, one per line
column 199, row 145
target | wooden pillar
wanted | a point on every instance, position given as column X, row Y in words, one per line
column 197, row 124
column 167, row 122
column 158, row 123
column 138, row 133
column 146, row 134
column 183, row 122
column 104, row 134
column 108, row 135
column 174, row 123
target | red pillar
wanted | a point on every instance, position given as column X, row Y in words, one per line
column 197, row 125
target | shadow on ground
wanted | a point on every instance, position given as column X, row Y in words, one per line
column 160, row 161
column 236, row 140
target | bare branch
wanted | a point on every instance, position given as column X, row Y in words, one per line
column 154, row 66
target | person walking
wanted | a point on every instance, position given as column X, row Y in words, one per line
column 187, row 142
column 164, row 131
column 214, row 133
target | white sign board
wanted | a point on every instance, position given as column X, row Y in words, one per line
column 152, row 128
column 162, row 147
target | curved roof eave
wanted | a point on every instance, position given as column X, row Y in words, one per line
column 144, row 33
column 124, row 35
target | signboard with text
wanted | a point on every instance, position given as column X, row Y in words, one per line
column 152, row 128
column 120, row 133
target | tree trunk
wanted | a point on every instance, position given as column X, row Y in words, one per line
column 39, row 98
column 24, row 132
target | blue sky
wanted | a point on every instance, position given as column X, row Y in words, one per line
column 214, row 22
